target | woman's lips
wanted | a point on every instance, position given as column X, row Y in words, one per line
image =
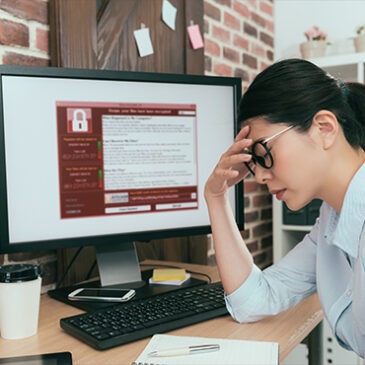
column 278, row 193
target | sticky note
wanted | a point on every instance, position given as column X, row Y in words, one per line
column 168, row 274
column 195, row 36
column 169, row 14
column 143, row 39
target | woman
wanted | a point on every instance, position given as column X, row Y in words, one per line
column 303, row 136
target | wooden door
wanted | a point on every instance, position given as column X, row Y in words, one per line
column 98, row 34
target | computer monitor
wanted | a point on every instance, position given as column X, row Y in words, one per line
column 106, row 158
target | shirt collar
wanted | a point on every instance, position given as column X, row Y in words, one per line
column 352, row 216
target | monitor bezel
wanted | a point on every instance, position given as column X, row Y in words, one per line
column 72, row 73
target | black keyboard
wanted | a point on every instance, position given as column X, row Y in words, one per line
column 123, row 323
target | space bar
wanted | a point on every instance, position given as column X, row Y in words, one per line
column 174, row 317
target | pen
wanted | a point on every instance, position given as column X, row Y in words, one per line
column 184, row 350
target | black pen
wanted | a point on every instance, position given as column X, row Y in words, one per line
column 188, row 350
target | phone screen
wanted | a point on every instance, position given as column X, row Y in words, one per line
column 106, row 293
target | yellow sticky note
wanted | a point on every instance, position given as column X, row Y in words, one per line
column 168, row 274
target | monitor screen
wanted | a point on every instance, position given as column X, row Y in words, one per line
column 96, row 157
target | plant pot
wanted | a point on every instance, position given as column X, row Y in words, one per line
column 359, row 43
column 313, row 49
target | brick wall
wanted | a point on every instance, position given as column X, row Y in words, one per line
column 24, row 32
column 239, row 41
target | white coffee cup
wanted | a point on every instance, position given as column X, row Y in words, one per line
column 20, row 291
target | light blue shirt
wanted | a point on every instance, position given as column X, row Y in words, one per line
column 329, row 260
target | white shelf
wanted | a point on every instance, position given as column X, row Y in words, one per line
column 347, row 67
column 339, row 60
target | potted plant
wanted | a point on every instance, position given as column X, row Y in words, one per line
column 359, row 40
column 316, row 43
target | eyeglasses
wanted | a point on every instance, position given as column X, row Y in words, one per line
column 261, row 153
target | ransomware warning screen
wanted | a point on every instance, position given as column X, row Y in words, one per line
column 119, row 158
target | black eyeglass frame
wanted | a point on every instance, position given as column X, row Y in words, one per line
column 262, row 160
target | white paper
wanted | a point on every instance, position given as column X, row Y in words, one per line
column 231, row 352
column 143, row 39
column 169, row 14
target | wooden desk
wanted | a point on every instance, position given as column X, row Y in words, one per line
column 288, row 328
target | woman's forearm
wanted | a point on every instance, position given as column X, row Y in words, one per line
column 232, row 255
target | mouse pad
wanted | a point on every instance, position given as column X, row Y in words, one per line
column 58, row 358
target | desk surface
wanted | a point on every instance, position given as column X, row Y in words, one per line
column 288, row 329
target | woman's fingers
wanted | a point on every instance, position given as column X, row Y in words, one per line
column 230, row 168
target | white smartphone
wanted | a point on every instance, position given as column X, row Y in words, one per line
column 102, row 294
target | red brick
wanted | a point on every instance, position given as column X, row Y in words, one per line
column 221, row 34
column 221, row 69
column 266, row 213
column 267, row 39
column 241, row 42
column 251, row 186
column 258, row 50
column 250, row 30
column 212, row 11
column 212, row 48
column 270, row 27
column 267, row 8
column 261, row 200
column 250, row 61
column 246, row 234
column 266, row 242
column 253, row 3
column 258, row 19
column 231, row 55
column 42, row 39
column 262, row 229
column 260, row 258
column 241, row 9
column 252, row 246
column 13, row 33
column 251, row 217
column 242, row 74
column 264, row 65
column 246, row 201
column 11, row 58
column 27, row 9
column 224, row 2
column 270, row 55
column 231, row 21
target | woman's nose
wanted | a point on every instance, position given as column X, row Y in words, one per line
column 262, row 175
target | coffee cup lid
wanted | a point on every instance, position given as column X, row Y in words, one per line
column 19, row 272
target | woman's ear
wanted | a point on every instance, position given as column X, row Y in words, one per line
column 327, row 127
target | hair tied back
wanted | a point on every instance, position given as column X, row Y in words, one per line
column 344, row 89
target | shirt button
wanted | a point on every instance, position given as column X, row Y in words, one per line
column 348, row 293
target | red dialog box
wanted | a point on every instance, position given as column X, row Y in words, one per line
column 79, row 120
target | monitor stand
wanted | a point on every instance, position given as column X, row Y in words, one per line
column 118, row 265
column 119, row 268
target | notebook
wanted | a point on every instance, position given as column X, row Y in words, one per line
column 231, row 352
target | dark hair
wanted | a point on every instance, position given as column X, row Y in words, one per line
column 292, row 91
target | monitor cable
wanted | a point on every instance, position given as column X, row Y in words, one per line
column 74, row 257
column 188, row 271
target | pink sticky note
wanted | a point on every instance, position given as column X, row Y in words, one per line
column 195, row 36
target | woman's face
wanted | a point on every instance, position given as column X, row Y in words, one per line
column 295, row 176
